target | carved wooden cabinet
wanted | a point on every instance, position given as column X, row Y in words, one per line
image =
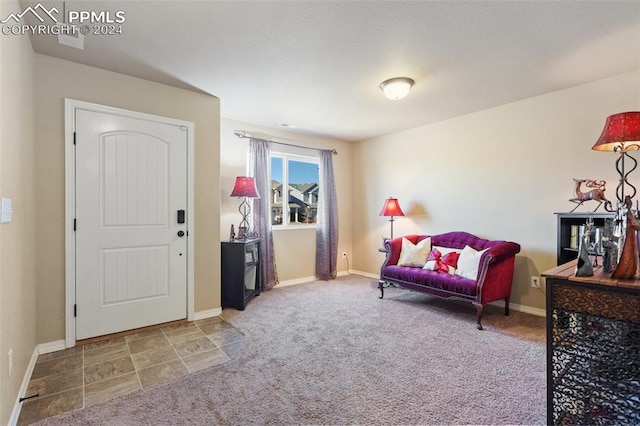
column 593, row 348
column 240, row 272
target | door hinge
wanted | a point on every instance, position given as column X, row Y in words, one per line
column 74, row 224
column 75, row 310
column 74, row 138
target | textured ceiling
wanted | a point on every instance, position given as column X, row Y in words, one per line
column 317, row 64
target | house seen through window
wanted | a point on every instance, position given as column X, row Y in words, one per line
column 294, row 190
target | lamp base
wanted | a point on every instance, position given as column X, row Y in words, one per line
column 245, row 210
column 624, row 175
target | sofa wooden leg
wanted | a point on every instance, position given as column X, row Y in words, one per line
column 381, row 287
column 479, row 308
column 506, row 306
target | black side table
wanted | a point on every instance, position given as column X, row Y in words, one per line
column 240, row 272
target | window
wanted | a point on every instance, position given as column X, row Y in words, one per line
column 294, row 190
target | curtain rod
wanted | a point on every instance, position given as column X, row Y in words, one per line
column 243, row 135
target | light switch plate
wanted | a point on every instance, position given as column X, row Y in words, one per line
column 7, row 210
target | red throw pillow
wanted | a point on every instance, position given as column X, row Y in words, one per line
column 439, row 263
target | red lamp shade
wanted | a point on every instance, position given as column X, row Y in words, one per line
column 245, row 187
column 621, row 133
column 391, row 208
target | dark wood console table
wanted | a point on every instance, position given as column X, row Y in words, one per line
column 593, row 348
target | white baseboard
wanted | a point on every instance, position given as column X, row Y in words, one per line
column 305, row 280
column 527, row 309
column 215, row 312
column 366, row 274
column 45, row 348
column 13, row 420
column 41, row 349
column 296, row 281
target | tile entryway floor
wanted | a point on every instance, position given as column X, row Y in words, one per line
column 85, row 375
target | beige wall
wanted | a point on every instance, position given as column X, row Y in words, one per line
column 499, row 173
column 295, row 249
column 57, row 79
column 17, row 239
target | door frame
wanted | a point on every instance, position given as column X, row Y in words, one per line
column 70, row 106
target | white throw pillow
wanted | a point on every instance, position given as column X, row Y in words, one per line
column 414, row 254
column 468, row 262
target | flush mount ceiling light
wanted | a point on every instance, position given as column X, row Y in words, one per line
column 396, row 88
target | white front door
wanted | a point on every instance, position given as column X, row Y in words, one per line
column 131, row 249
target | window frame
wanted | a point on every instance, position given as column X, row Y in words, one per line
column 286, row 157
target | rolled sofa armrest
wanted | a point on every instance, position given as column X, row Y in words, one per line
column 497, row 252
column 392, row 246
column 495, row 272
column 500, row 250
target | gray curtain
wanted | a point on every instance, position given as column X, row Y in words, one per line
column 259, row 168
column 327, row 221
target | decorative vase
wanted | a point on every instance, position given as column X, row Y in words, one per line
column 628, row 264
column 584, row 268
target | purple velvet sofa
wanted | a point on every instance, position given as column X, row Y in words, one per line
column 493, row 281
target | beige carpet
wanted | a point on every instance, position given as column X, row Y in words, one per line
column 333, row 353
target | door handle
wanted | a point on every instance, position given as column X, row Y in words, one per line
column 180, row 234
